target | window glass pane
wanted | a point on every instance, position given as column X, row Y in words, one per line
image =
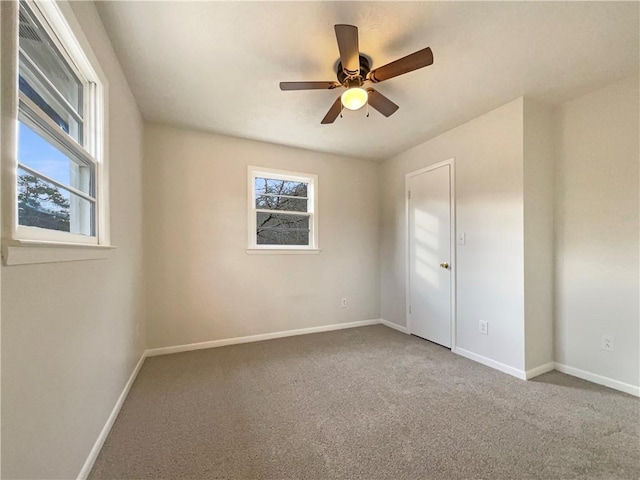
column 282, row 229
column 42, row 51
column 42, row 204
column 282, row 203
column 30, row 86
column 280, row 187
column 37, row 153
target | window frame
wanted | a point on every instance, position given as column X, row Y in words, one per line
column 311, row 180
column 63, row 29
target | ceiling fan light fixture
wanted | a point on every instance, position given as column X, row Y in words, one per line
column 354, row 98
column 353, row 71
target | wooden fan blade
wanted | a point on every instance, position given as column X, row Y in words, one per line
column 416, row 60
column 381, row 103
column 347, row 36
column 308, row 85
column 333, row 112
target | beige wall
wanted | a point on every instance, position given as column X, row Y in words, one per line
column 2, row 126
column 69, row 339
column 538, row 233
column 597, row 286
column 488, row 154
column 204, row 286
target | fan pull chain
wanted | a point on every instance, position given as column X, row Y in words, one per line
column 367, row 109
column 341, row 109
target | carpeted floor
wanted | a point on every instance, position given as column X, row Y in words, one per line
column 365, row 403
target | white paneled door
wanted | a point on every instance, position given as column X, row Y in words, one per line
column 430, row 259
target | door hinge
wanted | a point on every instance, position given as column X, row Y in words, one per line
column 409, row 308
column 409, row 194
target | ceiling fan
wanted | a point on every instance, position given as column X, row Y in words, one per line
column 354, row 70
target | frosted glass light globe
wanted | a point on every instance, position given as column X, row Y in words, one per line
column 354, row 98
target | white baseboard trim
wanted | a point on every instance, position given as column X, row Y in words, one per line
column 491, row 363
column 395, row 326
column 257, row 338
column 534, row 372
column 599, row 379
column 95, row 450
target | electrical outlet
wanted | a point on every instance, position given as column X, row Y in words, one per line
column 484, row 327
column 343, row 303
column 462, row 238
column 607, row 343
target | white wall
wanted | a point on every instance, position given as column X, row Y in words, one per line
column 69, row 338
column 538, row 233
column 597, row 232
column 204, row 286
column 488, row 154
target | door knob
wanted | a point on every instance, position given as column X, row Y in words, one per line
column 444, row 265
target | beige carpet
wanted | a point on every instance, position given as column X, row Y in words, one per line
column 365, row 403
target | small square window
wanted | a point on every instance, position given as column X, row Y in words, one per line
column 282, row 210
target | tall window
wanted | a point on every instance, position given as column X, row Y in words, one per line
column 282, row 210
column 58, row 135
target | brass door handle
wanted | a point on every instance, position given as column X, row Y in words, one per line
column 444, row 265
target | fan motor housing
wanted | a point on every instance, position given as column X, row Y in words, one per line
column 365, row 68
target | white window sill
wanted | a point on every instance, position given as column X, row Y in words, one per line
column 27, row 252
column 283, row 251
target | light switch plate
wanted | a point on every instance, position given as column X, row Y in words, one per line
column 462, row 238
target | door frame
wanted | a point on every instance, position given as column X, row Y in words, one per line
column 452, row 260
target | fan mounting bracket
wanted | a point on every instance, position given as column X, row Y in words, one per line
column 348, row 80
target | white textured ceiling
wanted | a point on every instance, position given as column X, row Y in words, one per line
column 216, row 66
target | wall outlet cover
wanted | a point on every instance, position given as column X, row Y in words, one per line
column 484, row 327
column 607, row 343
